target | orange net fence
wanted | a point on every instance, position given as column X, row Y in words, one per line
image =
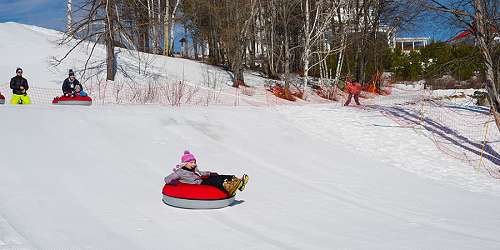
column 450, row 118
column 159, row 93
column 457, row 126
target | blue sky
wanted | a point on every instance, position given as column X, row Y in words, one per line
column 44, row 13
column 435, row 26
column 52, row 14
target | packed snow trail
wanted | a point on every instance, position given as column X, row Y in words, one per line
column 91, row 177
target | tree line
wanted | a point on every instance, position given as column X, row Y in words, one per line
column 325, row 38
column 321, row 38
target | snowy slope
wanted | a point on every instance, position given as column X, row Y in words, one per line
column 33, row 49
column 91, row 178
column 322, row 176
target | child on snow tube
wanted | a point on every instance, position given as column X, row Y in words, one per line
column 71, row 86
column 187, row 172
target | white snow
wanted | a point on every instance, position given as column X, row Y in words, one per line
column 34, row 49
column 321, row 176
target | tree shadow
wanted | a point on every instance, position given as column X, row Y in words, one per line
column 480, row 110
column 444, row 132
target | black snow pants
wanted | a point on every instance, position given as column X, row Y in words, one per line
column 217, row 181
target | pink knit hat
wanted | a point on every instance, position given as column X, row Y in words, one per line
column 187, row 157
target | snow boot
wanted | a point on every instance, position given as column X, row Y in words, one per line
column 232, row 185
column 244, row 181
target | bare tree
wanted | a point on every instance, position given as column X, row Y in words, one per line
column 110, row 40
column 172, row 25
column 314, row 30
column 342, row 32
column 234, row 33
column 101, row 22
column 166, row 28
column 481, row 18
column 286, row 12
column 69, row 16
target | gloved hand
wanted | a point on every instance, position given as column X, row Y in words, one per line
column 174, row 182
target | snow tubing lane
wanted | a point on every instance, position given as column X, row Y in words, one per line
column 195, row 196
column 77, row 100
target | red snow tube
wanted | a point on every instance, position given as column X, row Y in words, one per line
column 77, row 100
column 195, row 196
column 2, row 99
column 194, row 191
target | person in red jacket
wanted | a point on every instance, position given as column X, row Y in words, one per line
column 353, row 88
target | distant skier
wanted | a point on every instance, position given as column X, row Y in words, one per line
column 72, row 87
column 19, row 86
column 187, row 172
column 353, row 88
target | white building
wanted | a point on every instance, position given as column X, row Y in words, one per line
column 408, row 44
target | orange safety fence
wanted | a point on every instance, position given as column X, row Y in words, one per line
column 458, row 127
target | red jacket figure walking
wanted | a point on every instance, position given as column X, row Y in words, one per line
column 353, row 88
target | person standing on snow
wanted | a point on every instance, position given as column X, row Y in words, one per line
column 353, row 88
column 72, row 87
column 19, row 86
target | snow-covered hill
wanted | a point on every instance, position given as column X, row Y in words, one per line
column 34, row 48
column 322, row 176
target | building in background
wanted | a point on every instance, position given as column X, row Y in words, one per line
column 408, row 44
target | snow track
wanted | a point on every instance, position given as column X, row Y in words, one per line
column 10, row 238
column 321, row 176
column 91, row 177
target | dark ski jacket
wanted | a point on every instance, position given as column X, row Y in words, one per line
column 68, row 87
column 15, row 84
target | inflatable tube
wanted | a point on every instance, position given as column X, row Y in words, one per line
column 194, row 196
column 77, row 100
column 2, row 99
